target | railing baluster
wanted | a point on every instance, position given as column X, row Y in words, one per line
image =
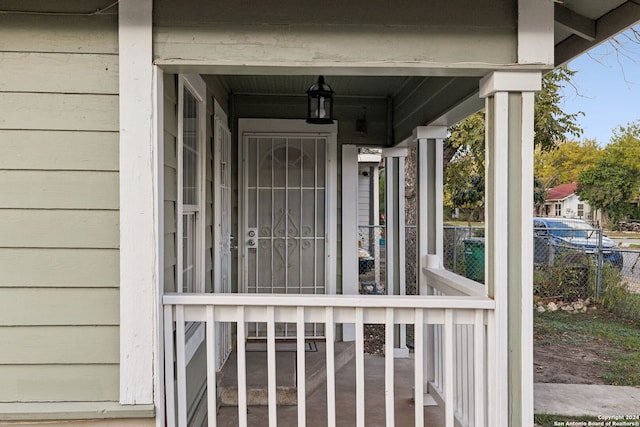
column 271, row 367
column 331, row 374
column 478, row 369
column 388, row 368
column 181, row 366
column 242, row 369
column 448, row 368
column 418, row 345
column 469, row 375
column 360, row 402
column 461, row 353
column 301, row 377
column 211, row 366
column 169, row 368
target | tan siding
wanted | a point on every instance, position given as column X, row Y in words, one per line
column 59, row 189
column 59, row 150
column 59, row 306
column 51, row 72
column 59, row 219
column 29, row 267
column 169, row 217
column 55, row 111
column 170, row 184
column 169, row 250
column 77, row 345
column 59, row 383
column 59, row 229
column 170, row 158
column 170, row 279
column 22, row 33
column 170, row 181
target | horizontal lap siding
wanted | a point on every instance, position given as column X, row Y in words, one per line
column 59, row 201
column 170, row 180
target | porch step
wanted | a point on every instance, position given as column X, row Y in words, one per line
column 286, row 390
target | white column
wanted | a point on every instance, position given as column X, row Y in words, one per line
column 395, row 234
column 509, row 242
column 349, row 229
column 139, row 189
column 429, row 141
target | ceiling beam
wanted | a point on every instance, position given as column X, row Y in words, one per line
column 607, row 27
column 575, row 23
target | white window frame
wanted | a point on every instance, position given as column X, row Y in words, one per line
column 198, row 89
column 558, row 209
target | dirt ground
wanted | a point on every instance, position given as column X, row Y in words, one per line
column 566, row 364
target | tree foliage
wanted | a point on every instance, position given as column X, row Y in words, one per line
column 552, row 125
column 614, row 179
column 464, row 148
column 565, row 163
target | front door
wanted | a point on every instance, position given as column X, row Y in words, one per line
column 286, row 227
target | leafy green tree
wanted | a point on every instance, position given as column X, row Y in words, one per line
column 464, row 148
column 566, row 162
column 609, row 186
column 552, row 125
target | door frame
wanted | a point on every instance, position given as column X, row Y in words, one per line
column 293, row 126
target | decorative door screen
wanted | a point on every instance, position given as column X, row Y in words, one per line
column 285, row 222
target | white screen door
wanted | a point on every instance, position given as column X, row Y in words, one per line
column 222, row 213
column 285, row 222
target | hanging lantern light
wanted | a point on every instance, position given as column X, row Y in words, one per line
column 320, row 103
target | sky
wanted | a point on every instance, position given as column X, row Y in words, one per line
column 606, row 87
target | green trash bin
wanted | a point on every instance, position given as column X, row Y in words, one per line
column 474, row 259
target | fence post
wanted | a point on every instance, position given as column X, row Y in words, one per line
column 599, row 264
column 455, row 249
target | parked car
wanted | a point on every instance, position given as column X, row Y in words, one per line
column 366, row 262
column 555, row 236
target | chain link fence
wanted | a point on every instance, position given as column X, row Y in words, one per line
column 372, row 259
column 571, row 259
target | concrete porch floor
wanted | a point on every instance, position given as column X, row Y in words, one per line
column 345, row 395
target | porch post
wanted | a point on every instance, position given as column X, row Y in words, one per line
column 395, row 234
column 140, row 215
column 509, row 242
column 429, row 141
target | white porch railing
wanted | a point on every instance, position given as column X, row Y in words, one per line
column 465, row 351
column 448, row 313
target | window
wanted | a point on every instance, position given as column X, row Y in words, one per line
column 191, row 210
column 191, row 187
column 580, row 210
column 558, row 209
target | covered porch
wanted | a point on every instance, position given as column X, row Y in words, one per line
column 452, row 372
column 258, row 208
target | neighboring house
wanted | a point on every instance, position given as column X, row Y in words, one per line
column 562, row 201
column 157, row 174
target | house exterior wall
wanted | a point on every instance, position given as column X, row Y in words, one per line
column 59, row 209
column 571, row 207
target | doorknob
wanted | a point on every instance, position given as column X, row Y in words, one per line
column 252, row 234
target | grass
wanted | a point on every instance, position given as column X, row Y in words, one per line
column 546, row 420
column 617, row 337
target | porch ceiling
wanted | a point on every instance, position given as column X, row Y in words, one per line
column 439, row 99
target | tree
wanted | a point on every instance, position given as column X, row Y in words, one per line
column 464, row 148
column 566, row 162
column 465, row 183
column 552, row 125
column 613, row 182
column 609, row 186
